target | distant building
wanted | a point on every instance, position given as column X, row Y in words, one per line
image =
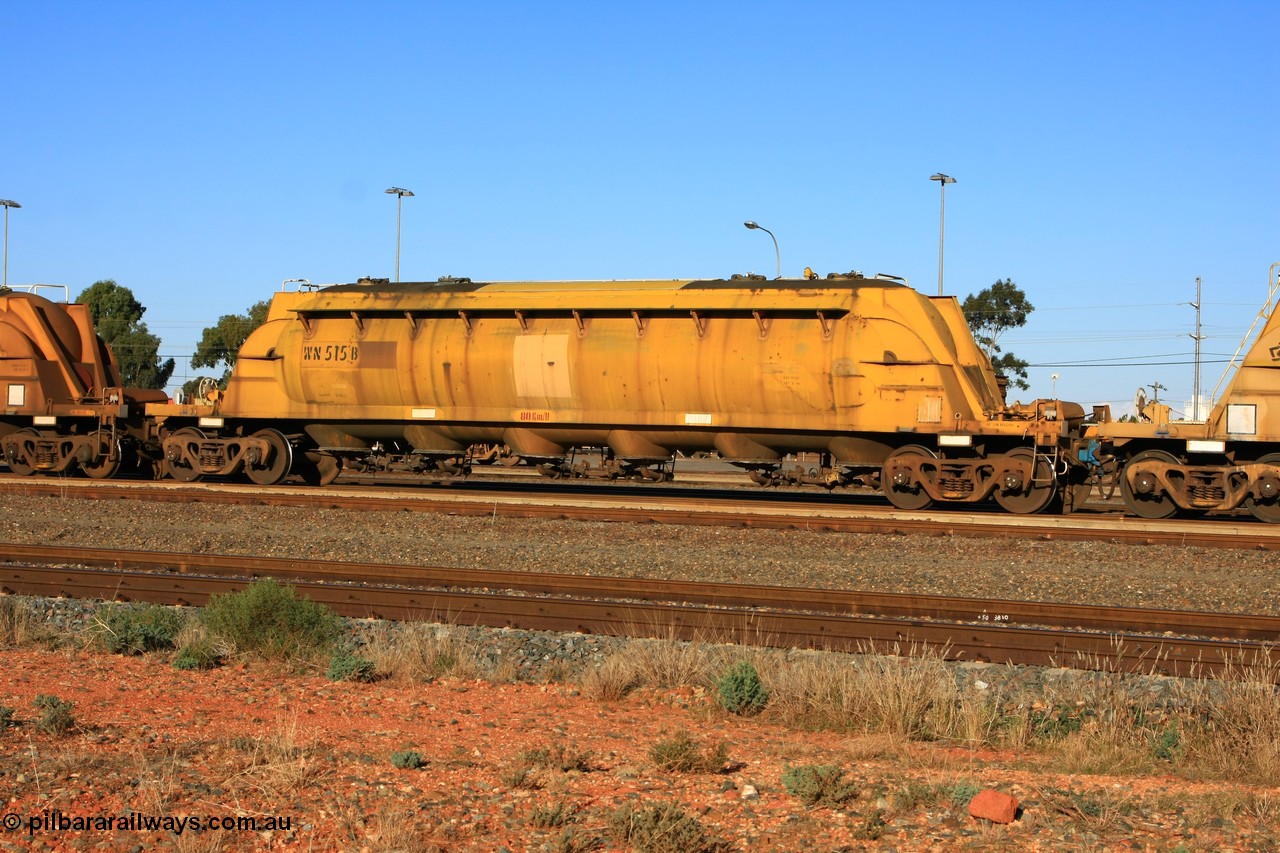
column 1190, row 412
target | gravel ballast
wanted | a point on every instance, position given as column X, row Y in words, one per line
column 1226, row 580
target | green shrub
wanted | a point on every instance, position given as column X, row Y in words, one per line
column 56, row 719
column 681, row 754
column 660, row 829
column 345, row 666
column 135, row 629
column 407, row 759
column 270, row 620
column 1168, row 745
column 1057, row 723
column 740, row 690
column 197, row 654
column 819, row 784
column 961, row 793
column 6, row 717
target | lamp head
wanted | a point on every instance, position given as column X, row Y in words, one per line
column 941, row 178
column 4, row 202
column 399, row 191
column 751, row 225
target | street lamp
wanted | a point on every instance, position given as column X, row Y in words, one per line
column 6, row 203
column 942, row 180
column 752, row 226
column 399, row 193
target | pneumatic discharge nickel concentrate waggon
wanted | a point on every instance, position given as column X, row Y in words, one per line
column 880, row 384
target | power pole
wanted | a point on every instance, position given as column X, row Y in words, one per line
column 1195, row 386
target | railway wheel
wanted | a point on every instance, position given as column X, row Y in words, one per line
column 19, row 464
column 903, row 490
column 177, row 465
column 320, row 469
column 1144, row 497
column 1033, row 494
column 1268, row 509
column 106, row 463
column 275, row 467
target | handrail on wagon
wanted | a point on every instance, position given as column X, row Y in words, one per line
column 32, row 288
column 303, row 284
column 1273, row 285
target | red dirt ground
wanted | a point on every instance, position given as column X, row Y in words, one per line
column 150, row 741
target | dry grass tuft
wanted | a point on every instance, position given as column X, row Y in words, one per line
column 612, row 680
column 913, row 697
column 282, row 762
column 1100, row 812
column 390, row 832
column 1239, row 735
column 159, row 775
column 670, row 662
column 20, row 626
column 421, row 652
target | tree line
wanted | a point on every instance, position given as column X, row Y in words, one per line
column 117, row 314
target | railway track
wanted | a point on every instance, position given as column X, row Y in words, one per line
column 689, row 506
column 1181, row 643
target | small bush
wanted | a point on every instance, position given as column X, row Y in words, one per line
column 551, row 816
column 660, row 829
column 1168, row 745
column 871, row 827
column 521, row 777
column 6, row 717
column 130, row 629
column 268, row 619
column 560, row 756
column 345, row 666
column 406, row 759
column 197, row 654
column 1057, row 723
column 681, row 754
column 740, row 690
column 917, row 794
column 56, row 719
column 961, row 793
column 819, row 784
column 571, row 841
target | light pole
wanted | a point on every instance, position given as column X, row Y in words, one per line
column 1195, row 391
column 942, row 180
column 751, row 225
column 6, row 203
column 399, row 193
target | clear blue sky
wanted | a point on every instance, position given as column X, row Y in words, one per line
column 1106, row 154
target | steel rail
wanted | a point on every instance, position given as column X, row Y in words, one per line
column 1000, row 643
column 632, row 506
column 839, row 601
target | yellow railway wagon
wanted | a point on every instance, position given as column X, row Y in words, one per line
column 879, row 383
column 1163, row 467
